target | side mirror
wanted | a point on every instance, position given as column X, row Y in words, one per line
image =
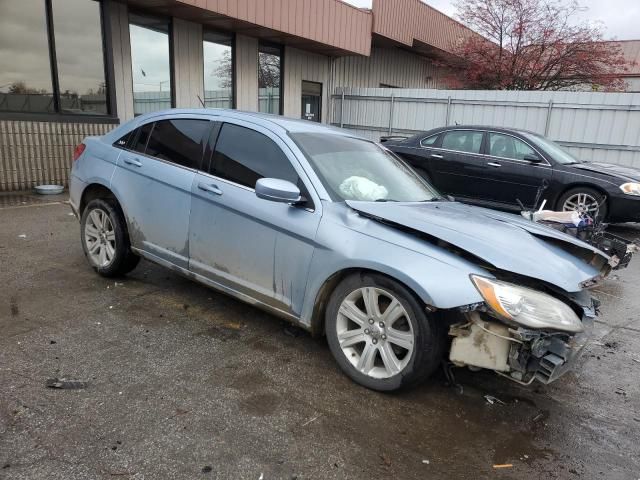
column 277, row 190
column 532, row 158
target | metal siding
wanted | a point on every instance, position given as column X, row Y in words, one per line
column 298, row 66
column 390, row 66
column 247, row 73
column 188, row 63
column 121, row 47
column 280, row 15
column 407, row 20
column 35, row 153
column 593, row 126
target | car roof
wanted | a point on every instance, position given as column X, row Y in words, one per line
column 266, row 119
column 481, row 127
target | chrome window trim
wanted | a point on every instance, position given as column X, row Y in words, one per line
column 544, row 163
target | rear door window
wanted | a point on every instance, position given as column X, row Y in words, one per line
column 180, row 141
column 139, row 144
column 126, row 140
column 243, row 156
column 429, row 141
column 467, row 141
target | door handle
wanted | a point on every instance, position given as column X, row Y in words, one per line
column 211, row 188
column 435, row 155
column 133, row 161
column 493, row 164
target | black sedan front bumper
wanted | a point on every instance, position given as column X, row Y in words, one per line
column 623, row 208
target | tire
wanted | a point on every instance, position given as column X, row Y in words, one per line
column 573, row 195
column 103, row 231
column 413, row 365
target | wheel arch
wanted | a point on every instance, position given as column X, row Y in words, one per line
column 93, row 191
column 579, row 184
column 99, row 190
column 317, row 327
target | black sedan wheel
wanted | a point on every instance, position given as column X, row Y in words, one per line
column 584, row 200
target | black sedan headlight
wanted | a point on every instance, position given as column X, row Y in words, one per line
column 631, row 188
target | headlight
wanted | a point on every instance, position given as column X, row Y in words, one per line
column 527, row 307
column 631, row 188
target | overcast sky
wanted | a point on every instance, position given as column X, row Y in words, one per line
column 621, row 18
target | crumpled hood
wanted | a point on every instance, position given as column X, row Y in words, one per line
column 508, row 242
column 619, row 171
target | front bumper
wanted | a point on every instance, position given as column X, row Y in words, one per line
column 623, row 208
column 522, row 355
column 546, row 357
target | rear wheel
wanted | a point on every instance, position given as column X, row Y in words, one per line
column 380, row 334
column 584, row 200
column 105, row 239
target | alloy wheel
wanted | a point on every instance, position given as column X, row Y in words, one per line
column 374, row 332
column 582, row 203
column 100, row 237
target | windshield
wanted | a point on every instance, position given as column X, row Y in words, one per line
column 356, row 169
column 558, row 153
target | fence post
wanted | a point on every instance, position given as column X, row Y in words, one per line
column 446, row 120
column 548, row 121
column 342, row 108
column 391, row 115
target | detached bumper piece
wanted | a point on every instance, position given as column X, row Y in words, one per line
column 522, row 355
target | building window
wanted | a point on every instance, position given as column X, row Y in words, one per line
column 150, row 63
column 218, row 69
column 269, row 79
column 52, row 57
column 79, row 55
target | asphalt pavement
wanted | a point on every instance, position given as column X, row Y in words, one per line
column 179, row 381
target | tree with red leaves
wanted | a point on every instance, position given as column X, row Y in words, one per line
column 535, row 45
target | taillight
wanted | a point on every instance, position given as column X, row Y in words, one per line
column 78, row 151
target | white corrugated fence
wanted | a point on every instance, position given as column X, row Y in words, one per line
column 592, row 125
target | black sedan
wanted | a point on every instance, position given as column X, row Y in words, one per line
column 499, row 167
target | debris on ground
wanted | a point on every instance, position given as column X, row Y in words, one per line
column 312, row 420
column 206, row 469
column 385, row 459
column 491, row 400
column 426, row 462
column 22, row 235
column 65, row 384
column 503, row 465
column 538, row 417
column 621, row 391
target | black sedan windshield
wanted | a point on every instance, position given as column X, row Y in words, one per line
column 355, row 169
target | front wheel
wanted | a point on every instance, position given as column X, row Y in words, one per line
column 380, row 334
column 584, row 200
column 105, row 239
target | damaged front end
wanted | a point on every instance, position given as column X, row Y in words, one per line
column 490, row 335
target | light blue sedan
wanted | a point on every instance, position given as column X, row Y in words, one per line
column 336, row 234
